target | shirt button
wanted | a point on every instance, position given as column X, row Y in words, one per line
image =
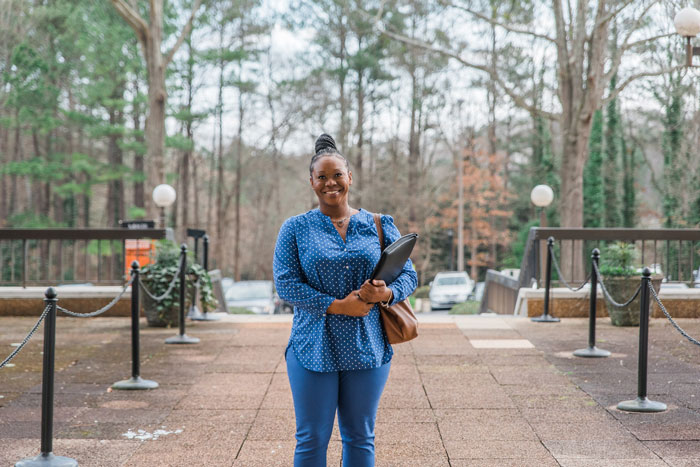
column 347, row 267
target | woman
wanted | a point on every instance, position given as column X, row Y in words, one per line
column 338, row 357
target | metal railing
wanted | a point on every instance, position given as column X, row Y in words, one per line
column 670, row 251
column 51, row 256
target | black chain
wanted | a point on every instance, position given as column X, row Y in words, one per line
column 167, row 292
column 607, row 295
column 101, row 310
column 561, row 276
column 675, row 325
column 26, row 339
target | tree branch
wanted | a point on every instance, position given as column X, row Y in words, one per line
column 648, row 39
column 185, row 31
column 132, row 18
column 637, row 22
column 519, row 101
column 654, row 177
column 626, row 45
column 613, row 94
column 504, row 26
column 612, row 14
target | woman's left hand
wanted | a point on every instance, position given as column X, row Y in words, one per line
column 375, row 291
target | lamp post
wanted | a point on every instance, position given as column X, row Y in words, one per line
column 687, row 23
column 450, row 234
column 542, row 196
column 163, row 195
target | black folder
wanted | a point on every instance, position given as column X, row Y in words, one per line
column 394, row 258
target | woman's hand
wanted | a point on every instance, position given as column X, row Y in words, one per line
column 375, row 291
column 351, row 305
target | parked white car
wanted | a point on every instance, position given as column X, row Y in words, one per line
column 450, row 288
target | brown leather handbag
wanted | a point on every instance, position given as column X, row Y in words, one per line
column 399, row 321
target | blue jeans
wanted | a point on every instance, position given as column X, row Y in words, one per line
column 354, row 393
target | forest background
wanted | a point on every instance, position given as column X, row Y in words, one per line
column 102, row 100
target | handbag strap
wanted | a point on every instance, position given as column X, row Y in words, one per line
column 380, row 232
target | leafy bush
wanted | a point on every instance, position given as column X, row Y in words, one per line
column 422, row 292
column 158, row 274
column 470, row 307
column 617, row 259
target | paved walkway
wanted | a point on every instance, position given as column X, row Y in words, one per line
column 470, row 391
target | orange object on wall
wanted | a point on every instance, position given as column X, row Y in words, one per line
column 139, row 250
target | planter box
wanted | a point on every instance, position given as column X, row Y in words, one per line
column 621, row 289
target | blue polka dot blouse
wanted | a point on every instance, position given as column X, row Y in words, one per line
column 312, row 267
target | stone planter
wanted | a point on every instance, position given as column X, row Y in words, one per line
column 621, row 288
column 168, row 316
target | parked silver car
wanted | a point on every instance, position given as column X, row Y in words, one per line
column 449, row 288
column 256, row 296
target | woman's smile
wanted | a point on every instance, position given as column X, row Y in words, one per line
column 331, row 181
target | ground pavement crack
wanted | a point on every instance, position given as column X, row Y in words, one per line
column 432, row 409
column 517, row 408
column 257, row 411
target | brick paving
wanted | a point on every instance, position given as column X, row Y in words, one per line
column 470, row 391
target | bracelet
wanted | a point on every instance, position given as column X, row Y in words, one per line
column 386, row 303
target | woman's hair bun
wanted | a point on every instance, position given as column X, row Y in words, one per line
column 325, row 141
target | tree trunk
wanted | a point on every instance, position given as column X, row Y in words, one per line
column 571, row 207
column 115, row 189
column 460, row 211
column 155, row 122
column 139, row 188
column 360, row 138
column 220, row 214
column 239, row 182
column 413, row 150
column 343, row 136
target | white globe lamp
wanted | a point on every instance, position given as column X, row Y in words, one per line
column 687, row 23
column 542, row 196
column 163, row 195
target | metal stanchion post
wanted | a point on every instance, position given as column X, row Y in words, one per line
column 206, row 316
column 205, row 246
column 182, row 338
column 641, row 403
column 194, row 314
column 47, row 457
column 546, row 317
column 135, row 382
column 592, row 351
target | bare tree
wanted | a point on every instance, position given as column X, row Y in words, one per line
column 150, row 36
column 584, row 68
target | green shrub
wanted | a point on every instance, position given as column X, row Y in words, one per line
column 158, row 274
column 470, row 307
column 421, row 292
column 237, row 310
column 617, row 258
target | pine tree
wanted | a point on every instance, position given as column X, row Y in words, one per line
column 671, row 146
column 611, row 164
column 593, row 197
column 629, row 201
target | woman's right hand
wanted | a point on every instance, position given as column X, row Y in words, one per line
column 351, row 305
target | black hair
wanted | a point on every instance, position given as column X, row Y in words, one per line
column 325, row 146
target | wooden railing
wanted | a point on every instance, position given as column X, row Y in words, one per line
column 672, row 252
column 55, row 256
column 500, row 293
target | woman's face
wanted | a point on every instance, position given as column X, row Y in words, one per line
column 331, row 181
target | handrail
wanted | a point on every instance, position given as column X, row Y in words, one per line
column 80, row 234
column 628, row 234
